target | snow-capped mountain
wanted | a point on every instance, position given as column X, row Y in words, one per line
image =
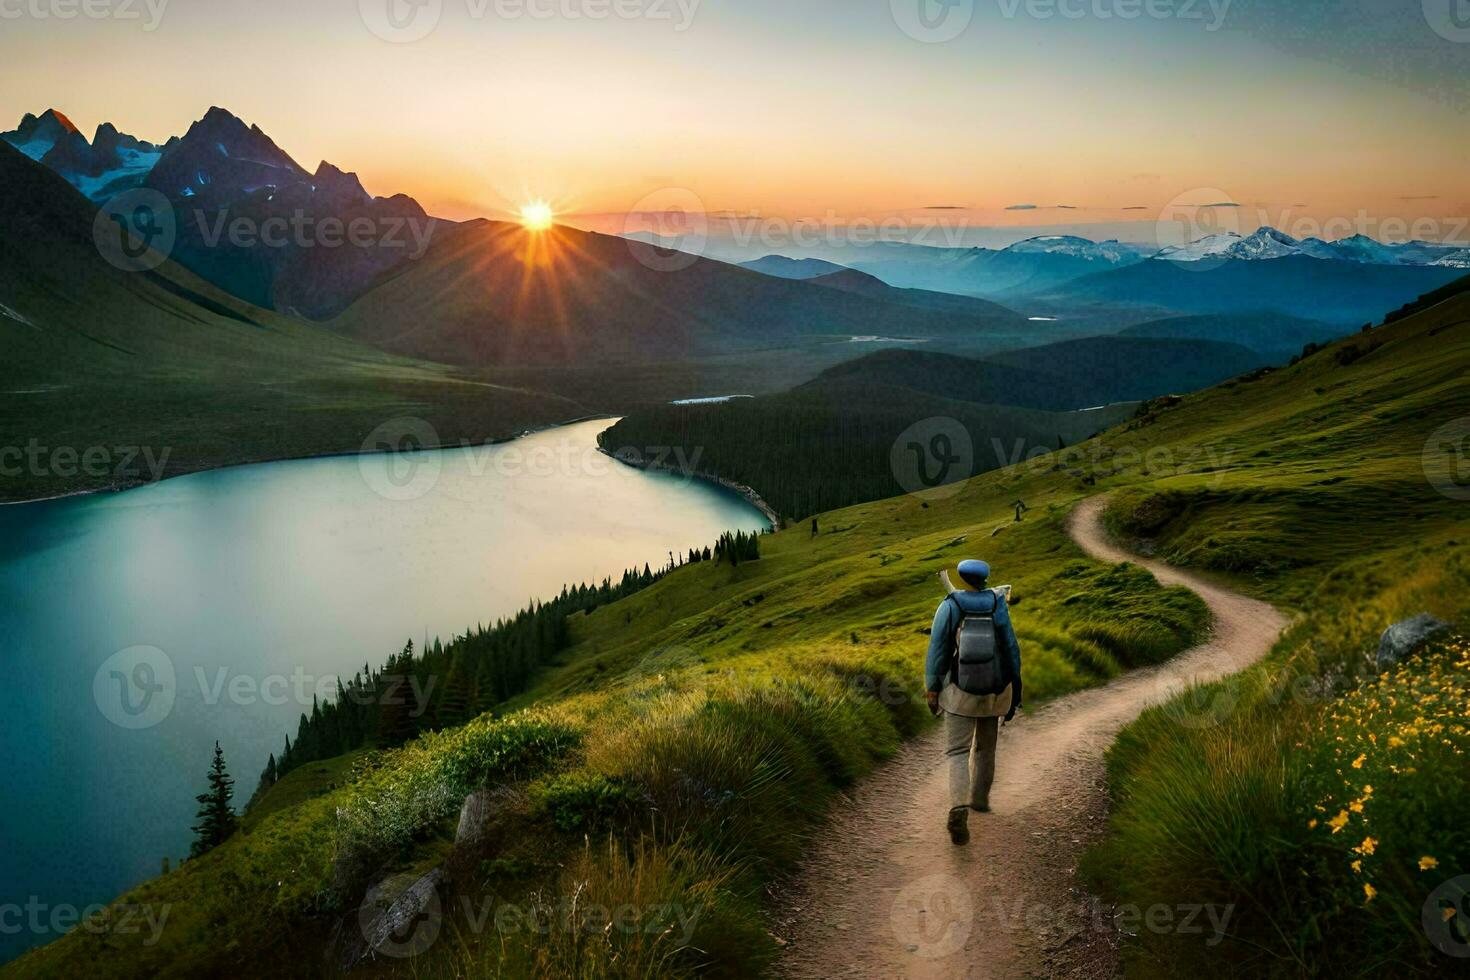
column 1111, row 251
column 1268, row 243
column 111, row 163
column 1454, row 260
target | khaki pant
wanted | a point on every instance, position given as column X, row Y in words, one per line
column 970, row 746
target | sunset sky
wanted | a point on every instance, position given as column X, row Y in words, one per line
column 1306, row 108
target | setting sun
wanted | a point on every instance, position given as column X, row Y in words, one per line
column 536, row 216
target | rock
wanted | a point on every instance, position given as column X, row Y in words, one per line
column 399, row 917
column 480, row 809
column 1403, row 640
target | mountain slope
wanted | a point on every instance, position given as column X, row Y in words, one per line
column 1274, row 335
column 786, row 268
column 494, row 293
column 98, row 356
column 1339, row 292
column 736, row 703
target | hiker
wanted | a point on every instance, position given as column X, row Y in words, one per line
column 1021, row 510
column 815, row 532
column 973, row 677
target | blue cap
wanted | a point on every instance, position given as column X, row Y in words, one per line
column 975, row 572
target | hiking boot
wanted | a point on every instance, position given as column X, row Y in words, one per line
column 959, row 825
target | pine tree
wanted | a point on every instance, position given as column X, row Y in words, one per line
column 216, row 817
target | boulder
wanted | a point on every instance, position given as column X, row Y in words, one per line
column 1403, row 640
column 479, row 811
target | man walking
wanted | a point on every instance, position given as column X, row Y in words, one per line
column 973, row 676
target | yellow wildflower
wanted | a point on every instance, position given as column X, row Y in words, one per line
column 1358, row 866
column 1428, row 864
column 1338, row 822
column 1358, row 762
column 1370, row 891
column 1368, row 846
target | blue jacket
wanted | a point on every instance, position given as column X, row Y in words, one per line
column 947, row 620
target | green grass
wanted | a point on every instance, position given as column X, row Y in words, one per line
column 686, row 746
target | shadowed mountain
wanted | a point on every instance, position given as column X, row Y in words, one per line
column 863, row 284
column 255, row 223
column 493, row 293
column 1334, row 291
column 1273, row 335
column 95, row 355
column 786, row 268
column 1072, row 374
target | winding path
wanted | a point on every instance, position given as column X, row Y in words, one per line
column 883, row 893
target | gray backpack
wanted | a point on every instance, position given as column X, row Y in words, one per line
column 978, row 667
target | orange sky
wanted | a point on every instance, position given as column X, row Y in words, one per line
column 802, row 111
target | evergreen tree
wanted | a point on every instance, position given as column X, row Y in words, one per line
column 216, row 817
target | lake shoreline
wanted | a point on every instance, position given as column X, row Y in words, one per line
column 750, row 494
column 121, row 489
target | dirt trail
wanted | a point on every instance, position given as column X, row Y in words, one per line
column 884, row 893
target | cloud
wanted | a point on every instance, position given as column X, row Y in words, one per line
column 944, row 207
column 1219, row 204
column 1136, row 207
column 1067, row 207
column 1422, row 197
column 1021, row 207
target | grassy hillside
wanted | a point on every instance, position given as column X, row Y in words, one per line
column 844, row 438
column 99, row 358
column 693, row 733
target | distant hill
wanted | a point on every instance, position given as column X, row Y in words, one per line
column 1072, row 374
column 863, row 284
column 492, row 293
column 1274, row 335
column 786, row 268
column 828, row 443
column 1333, row 291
